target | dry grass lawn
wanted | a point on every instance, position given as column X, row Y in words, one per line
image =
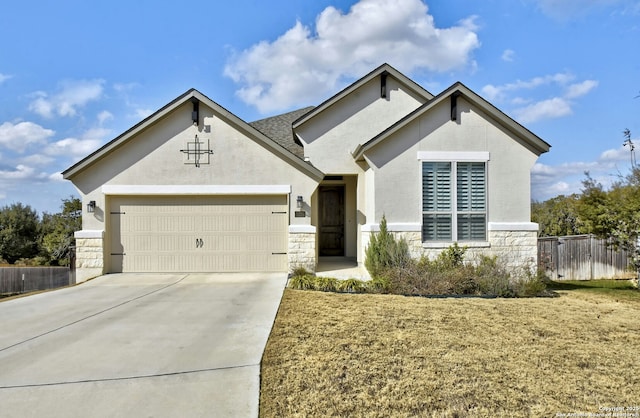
column 391, row 356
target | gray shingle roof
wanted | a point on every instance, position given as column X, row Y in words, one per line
column 279, row 129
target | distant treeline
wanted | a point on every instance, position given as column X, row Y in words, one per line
column 29, row 239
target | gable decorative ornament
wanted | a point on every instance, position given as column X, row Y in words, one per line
column 197, row 152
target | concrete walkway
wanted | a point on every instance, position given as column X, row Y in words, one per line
column 132, row 345
column 341, row 268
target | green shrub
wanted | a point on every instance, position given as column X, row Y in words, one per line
column 452, row 257
column 299, row 270
column 384, row 252
column 380, row 284
column 302, row 282
column 326, row 284
column 351, row 286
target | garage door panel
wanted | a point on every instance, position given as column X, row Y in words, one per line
column 192, row 234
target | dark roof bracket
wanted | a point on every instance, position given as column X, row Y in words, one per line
column 195, row 115
column 454, row 105
column 383, row 84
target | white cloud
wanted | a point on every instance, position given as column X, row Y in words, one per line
column 580, row 89
column 551, row 180
column 497, row 93
column 71, row 96
column 76, row 148
column 72, row 147
column 4, row 77
column 529, row 110
column 308, row 64
column 508, row 55
column 57, row 177
column 104, row 116
column 21, row 173
column 545, row 109
column 39, row 160
column 18, row 137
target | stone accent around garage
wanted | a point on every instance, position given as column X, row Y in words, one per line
column 302, row 250
column 89, row 257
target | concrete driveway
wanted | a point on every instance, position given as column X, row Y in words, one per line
column 134, row 345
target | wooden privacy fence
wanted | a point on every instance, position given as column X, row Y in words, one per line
column 581, row 257
column 28, row 279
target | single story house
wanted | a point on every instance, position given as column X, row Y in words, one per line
column 194, row 188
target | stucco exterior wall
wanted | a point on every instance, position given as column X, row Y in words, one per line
column 398, row 173
column 333, row 134
column 154, row 157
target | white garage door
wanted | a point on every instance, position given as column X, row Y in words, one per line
column 198, row 234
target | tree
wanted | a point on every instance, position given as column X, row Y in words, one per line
column 18, row 232
column 614, row 214
column 56, row 232
column 558, row 216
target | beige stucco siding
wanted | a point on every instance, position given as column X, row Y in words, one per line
column 154, row 157
column 338, row 130
column 397, row 168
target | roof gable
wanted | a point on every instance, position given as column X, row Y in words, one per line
column 529, row 139
column 194, row 95
column 385, row 69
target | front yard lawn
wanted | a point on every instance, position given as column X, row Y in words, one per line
column 362, row 355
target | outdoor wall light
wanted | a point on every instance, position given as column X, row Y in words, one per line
column 299, row 202
column 91, row 206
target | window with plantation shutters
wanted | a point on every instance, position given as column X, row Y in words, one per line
column 454, row 201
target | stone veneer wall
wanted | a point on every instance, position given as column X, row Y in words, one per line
column 516, row 249
column 89, row 258
column 302, row 250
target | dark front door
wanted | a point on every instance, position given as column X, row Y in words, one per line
column 331, row 222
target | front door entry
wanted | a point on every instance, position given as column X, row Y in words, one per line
column 331, row 221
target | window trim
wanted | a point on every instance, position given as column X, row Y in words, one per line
column 455, row 157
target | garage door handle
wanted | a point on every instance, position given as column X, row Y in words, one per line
column 199, row 243
column 278, row 253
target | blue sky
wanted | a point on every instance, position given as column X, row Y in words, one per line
column 75, row 74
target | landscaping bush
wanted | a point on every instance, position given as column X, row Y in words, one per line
column 385, row 252
column 351, row 286
column 447, row 275
column 492, row 278
column 326, row 284
column 378, row 285
column 302, row 282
